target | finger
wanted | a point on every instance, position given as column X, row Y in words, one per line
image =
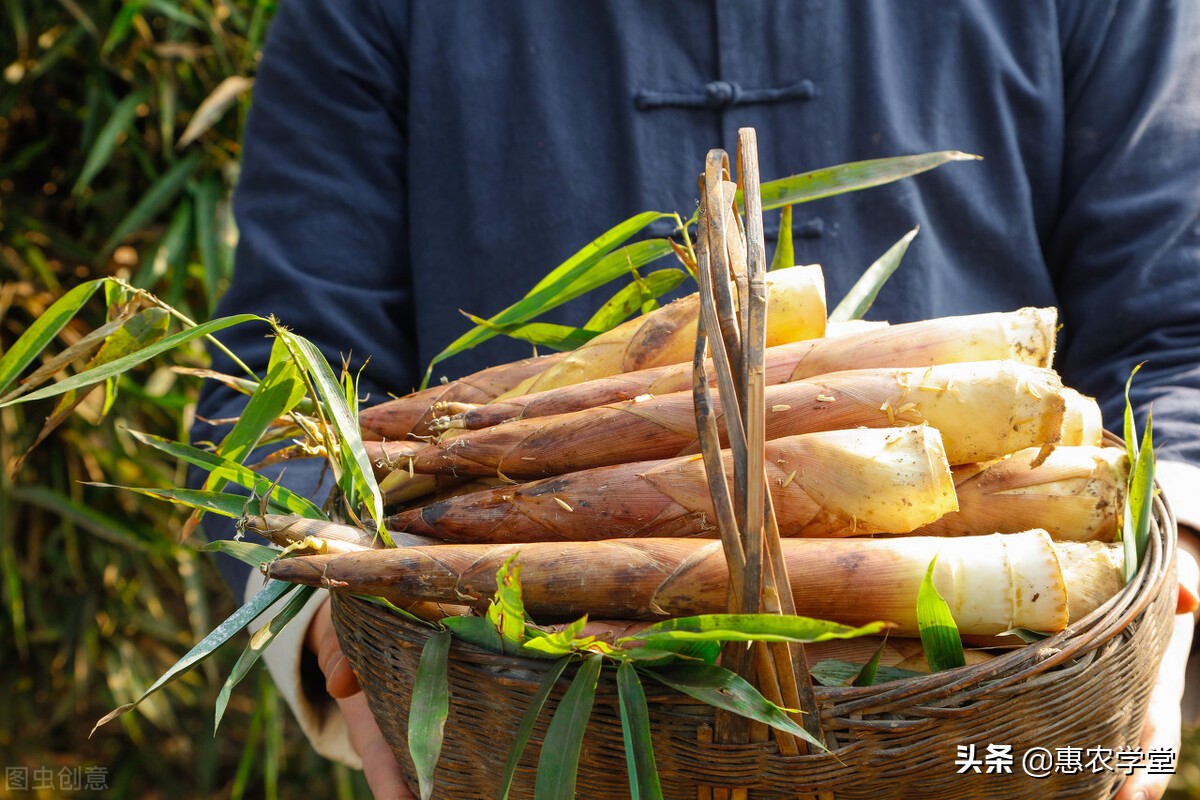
column 379, row 763
column 340, row 680
column 1189, row 580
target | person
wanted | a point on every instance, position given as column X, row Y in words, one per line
column 405, row 161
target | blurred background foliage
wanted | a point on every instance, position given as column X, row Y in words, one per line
column 120, row 127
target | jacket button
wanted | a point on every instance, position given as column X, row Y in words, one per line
column 721, row 94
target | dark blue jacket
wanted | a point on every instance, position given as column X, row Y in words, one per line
column 404, row 161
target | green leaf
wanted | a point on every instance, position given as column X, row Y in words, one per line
column 227, row 505
column 209, row 644
column 358, row 477
column 851, row 177
column 170, row 256
column 559, row 759
column 858, row 300
column 108, row 138
column 541, row 334
column 834, row 672
column 870, row 670
column 134, row 333
column 125, row 363
column 99, row 524
column 561, row 642
column 246, row 552
column 205, row 196
column 478, row 631
column 525, row 729
column 785, row 251
column 727, row 690
column 1026, row 635
column 749, row 627
column 278, row 394
column 281, row 500
column 635, row 726
column 258, row 643
column 507, row 609
column 43, row 330
column 1139, row 502
column 634, row 297
column 589, row 268
column 428, row 711
column 939, row 632
column 158, row 197
column 1130, row 427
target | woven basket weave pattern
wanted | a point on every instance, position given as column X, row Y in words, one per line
column 1087, row 687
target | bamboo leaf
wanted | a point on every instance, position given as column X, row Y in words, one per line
column 870, row 670
column 541, row 334
column 354, row 460
column 428, row 711
column 213, row 107
column 507, row 609
column 118, row 123
column 259, row 642
column 749, row 627
column 205, row 195
column 834, row 672
column 525, row 729
column 134, row 333
column 852, row 177
column 633, row 297
column 227, row 505
column 939, row 633
column 589, row 268
column 1130, row 426
column 246, row 552
column 635, row 726
column 1139, row 502
column 858, row 300
column 155, row 200
column 171, row 253
column 478, row 631
column 209, row 644
column 729, row 691
column 125, row 363
column 43, row 330
column 281, row 499
column 96, row 522
column 785, row 251
column 81, row 348
column 275, row 396
column 559, row 759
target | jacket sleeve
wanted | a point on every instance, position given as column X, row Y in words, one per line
column 1126, row 247
column 320, row 208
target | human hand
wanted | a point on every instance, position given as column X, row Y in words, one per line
column 379, row 764
column 1163, row 725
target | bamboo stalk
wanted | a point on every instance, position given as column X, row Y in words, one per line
column 1025, row 335
column 992, row 583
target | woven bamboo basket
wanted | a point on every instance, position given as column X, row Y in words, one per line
column 1085, row 688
